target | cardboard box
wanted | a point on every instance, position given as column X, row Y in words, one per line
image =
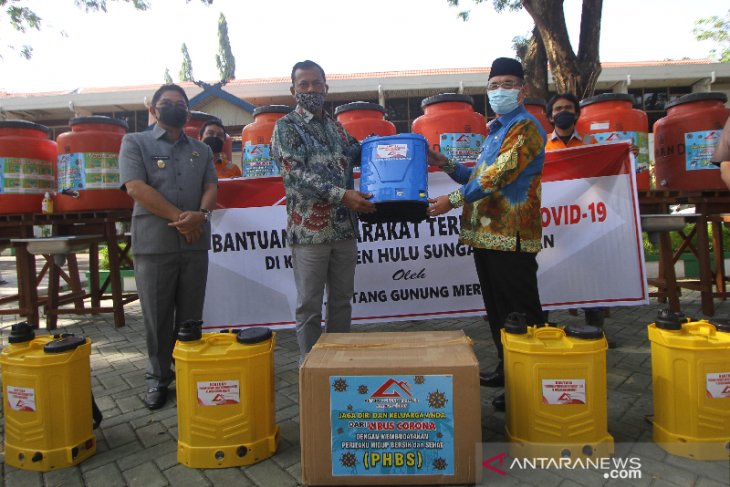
column 390, row 409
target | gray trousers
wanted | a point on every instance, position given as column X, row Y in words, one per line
column 330, row 265
column 171, row 290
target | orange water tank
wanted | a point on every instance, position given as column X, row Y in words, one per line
column 87, row 169
column 256, row 141
column 192, row 129
column 451, row 126
column 685, row 139
column 27, row 166
column 363, row 119
column 536, row 106
column 610, row 117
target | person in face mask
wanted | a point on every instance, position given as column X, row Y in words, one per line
column 315, row 156
column 213, row 134
column 501, row 217
column 563, row 111
column 172, row 181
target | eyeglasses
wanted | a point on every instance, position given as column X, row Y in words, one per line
column 507, row 85
column 166, row 103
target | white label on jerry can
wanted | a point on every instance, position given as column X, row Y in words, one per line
column 21, row 398
column 564, row 391
column 392, row 151
column 218, row 393
column 718, row 385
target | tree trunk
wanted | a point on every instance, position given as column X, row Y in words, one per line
column 571, row 73
column 535, row 62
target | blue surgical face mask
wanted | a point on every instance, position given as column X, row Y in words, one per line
column 503, row 101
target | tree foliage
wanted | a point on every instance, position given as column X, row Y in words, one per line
column 224, row 59
column 168, row 78
column 715, row 29
column 186, row 70
column 572, row 72
column 23, row 18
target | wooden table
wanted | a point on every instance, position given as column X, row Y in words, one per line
column 708, row 204
column 99, row 223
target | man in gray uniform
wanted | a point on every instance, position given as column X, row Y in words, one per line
column 172, row 180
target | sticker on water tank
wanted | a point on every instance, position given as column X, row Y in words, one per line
column 461, row 147
column 718, row 385
column 257, row 161
column 698, row 149
column 21, row 398
column 639, row 139
column 600, row 126
column 392, row 425
column 19, row 175
column 391, row 151
column 218, row 393
column 88, row 170
column 564, row 391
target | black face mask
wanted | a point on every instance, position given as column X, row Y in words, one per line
column 564, row 120
column 173, row 116
column 215, row 144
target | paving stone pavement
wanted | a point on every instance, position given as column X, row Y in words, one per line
column 137, row 447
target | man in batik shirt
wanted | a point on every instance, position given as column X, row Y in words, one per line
column 501, row 197
column 315, row 155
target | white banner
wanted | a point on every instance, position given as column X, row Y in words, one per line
column 592, row 254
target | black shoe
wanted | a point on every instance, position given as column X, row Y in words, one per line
column 499, row 402
column 495, row 379
column 156, row 397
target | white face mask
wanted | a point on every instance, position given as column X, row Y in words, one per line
column 503, row 101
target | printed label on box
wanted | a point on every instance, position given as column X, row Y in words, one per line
column 698, row 149
column 718, row 385
column 461, row 147
column 564, row 391
column 391, row 151
column 392, row 425
column 219, row 393
column 21, row 398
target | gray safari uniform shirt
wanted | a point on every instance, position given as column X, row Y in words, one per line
column 178, row 171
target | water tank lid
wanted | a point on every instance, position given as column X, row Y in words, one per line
column 98, row 119
column 272, row 109
column 359, row 105
column 196, row 115
column 516, row 324
column 23, row 124
column 535, row 101
column 64, row 343
column 254, row 335
column 584, row 332
column 693, row 97
column 21, row 332
column 607, row 97
column 721, row 324
column 447, row 97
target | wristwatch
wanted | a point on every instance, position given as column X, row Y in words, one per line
column 206, row 214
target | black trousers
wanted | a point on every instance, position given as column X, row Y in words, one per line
column 509, row 284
